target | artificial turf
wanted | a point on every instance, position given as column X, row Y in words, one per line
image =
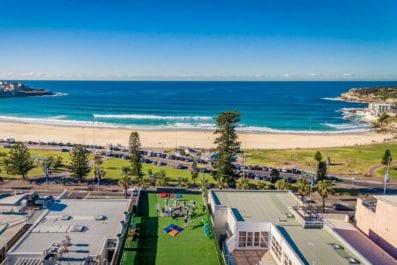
column 154, row 246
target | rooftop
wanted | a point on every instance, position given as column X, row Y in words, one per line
column 257, row 206
column 361, row 243
column 390, row 199
column 270, row 207
column 11, row 200
column 77, row 219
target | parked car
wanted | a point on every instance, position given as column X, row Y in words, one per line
column 181, row 166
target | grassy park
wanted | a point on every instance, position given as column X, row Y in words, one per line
column 345, row 160
column 151, row 245
column 355, row 160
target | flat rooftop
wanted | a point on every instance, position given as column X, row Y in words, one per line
column 66, row 216
column 361, row 243
column 313, row 246
column 11, row 200
column 390, row 199
column 10, row 225
column 258, row 206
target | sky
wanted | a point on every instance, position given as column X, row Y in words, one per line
column 198, row 40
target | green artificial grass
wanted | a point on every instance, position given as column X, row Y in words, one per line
column 154, row 246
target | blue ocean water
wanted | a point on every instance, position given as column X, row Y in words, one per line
column 265, row 106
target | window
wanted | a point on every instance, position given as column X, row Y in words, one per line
column 256, row 239
column 253, row 239
column 276, row 248
column 242, row 238
column 287, row 261
column 250, row 239
column 264, row 240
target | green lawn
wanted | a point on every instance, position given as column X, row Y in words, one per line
column 111, row 166
column 36, row 154
column 154, row 246
column 345, row 160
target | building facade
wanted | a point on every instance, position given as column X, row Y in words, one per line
column 377, row 220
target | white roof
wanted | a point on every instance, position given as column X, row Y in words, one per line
column 53, row 228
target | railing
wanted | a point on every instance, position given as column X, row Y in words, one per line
column 227, row 255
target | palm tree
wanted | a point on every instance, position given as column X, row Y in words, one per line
column 262, row 185
column 243, row 184
column 303, row 187
column 324, row 188
column 124, row 182
column 383, row 118
column 203, row 182
column 161, row 179
column 281, row 184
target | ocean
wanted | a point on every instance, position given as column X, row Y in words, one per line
column 298, row 107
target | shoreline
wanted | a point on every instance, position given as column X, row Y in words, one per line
column 172, row 137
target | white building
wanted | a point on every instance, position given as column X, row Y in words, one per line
column 268, row 224
column 73, row 231
column 379, row 107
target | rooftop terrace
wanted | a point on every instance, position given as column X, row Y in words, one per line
column 151, row 245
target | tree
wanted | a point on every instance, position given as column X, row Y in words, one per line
column 303, row 187
column 79, row 162
column 321, row 170
column 383, row 118
column 386, row 157
column 227, row 146
column 161, row 179
column 136, row 156
column 124, row 182
column 194, row 172
column 97, row 164
column 57, row 163
column 318, row 157
column 281, row 184
column 125, row 171
column 262, row 185
column 243, row 184
column 18, row 160
column 324, row 188
column 274, row 175
column 203, row 182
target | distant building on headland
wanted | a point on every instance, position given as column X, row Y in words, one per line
column 11, row 89
column 377, row 220
column 377, row 108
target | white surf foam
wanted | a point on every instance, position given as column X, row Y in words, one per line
column 149, row 117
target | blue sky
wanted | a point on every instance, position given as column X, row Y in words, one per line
column 203, row 40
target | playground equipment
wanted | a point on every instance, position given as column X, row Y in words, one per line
column 207, row 228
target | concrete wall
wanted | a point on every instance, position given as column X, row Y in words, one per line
column 379, row 225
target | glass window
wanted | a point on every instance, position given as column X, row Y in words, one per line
column 256, row 239
column 264, row 242
column 276, row 248
column 250, row 239
column 242, row 238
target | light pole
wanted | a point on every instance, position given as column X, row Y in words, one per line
column 387, row 176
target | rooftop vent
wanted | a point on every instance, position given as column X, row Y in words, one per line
column 66, row 217
column 336, row 246
column 289, row 215
column 77, row 228
column 352, row 260
column 100, row 218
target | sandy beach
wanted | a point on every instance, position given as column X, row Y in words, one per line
column 171, row 138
